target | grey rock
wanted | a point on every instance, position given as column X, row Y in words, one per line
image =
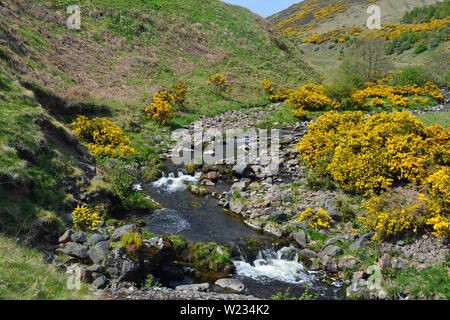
column 359, row 243
column 385, row 261
column 76, row 250
column 347, row 262
column 231, row 284
column 382, row 294
column 300, row 238
column 399, row 263
column 99, row 251
column 79, row 237
column 66, row 236
column 237, row 206
column 331, row 241
column 100, row 282
column 120, row 267
column 306, row 253
column 193, row 287
column 96, row 238
column 329, row 264
column 331, row 251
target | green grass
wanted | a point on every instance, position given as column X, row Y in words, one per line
column 430, row 282
column 24, row 276
column 442, row 118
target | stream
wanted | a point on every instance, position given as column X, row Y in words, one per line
column 270, row 267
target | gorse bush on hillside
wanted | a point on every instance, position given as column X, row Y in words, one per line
column 161, row 108
column 180, row 90
column 219, row 84
column 102, row 137
column 310, row 97
column 268, row 87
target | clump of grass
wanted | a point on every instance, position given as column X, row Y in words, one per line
column 132, row 237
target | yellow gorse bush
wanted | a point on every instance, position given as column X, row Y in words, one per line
column 310, row 97
column 315, row 218
column 387, row 216
column 268, row 87
column 440, row 184
column 218, row 83
column 180, row 90
column 367, row 154
column 102, row 137
column 281, row 95
column 84, row 218
column 161, row 108
column 397, row 95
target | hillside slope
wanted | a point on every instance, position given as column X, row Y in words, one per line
column 310, row 16
column 128, row 50
column 124, row 53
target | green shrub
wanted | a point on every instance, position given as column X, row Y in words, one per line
column 421, row 47
column 410, row 75
column 121, row 179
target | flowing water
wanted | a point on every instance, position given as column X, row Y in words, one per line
column 270, row 267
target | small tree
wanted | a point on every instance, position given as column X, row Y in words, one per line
column 368, row 59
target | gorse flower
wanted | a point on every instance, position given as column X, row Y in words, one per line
column 84, row 218
column 310, row 97
column 102, row 137
column 219, row 84
column 369, row 154
column 180, row 90
column 316, row 219
column 161, row 109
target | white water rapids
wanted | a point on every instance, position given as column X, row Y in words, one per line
column 281, row 265
column 170, row 183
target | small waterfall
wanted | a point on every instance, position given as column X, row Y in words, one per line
column 281, row 265
column 172, row 183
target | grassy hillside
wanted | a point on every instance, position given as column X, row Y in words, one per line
column 124, row 53
column 307, row 17
column 128, row 50
column 324, row 30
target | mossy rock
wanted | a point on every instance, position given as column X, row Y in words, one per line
column 194, row 204
column 190, row 169
column 211, row 257
column 198, row 190
column 178, row 242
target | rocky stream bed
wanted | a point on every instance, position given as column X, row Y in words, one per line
column 245, row 216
